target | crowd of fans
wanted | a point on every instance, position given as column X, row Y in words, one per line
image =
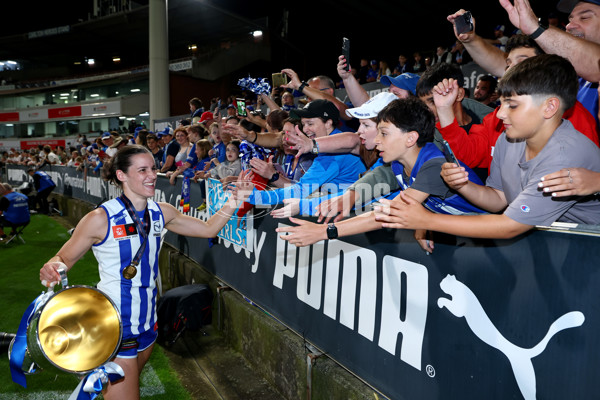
column 526, row 149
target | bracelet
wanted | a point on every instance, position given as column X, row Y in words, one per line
column 315, row 147
column 255, row 137
column 302, row 86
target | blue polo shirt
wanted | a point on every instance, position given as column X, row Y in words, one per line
column 331, row 173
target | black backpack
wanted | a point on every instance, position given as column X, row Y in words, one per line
column 181, row 308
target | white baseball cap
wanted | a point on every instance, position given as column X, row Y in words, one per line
column 371, row 108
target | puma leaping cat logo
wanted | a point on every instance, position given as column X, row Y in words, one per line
column 465, row 304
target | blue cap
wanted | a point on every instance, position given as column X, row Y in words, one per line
column 105, row 134
column 94, row 146
column 406, row 81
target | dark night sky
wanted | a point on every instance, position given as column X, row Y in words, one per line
column 378, row 29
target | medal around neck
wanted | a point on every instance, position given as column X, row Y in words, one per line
column 129, row 272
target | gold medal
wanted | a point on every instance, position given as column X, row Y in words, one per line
column 129, row 272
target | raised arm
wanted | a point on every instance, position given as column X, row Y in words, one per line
column 269, row 102
column 485, row 54
column 583, row 54
column 345, row 142
column 356, row 93
column 266, row 139
column 315, row 94
column 472, row 148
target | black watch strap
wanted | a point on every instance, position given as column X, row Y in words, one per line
column 302, row 86
column 536, row 34
column 332, row 232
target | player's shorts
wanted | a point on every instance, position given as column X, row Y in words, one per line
column 132, row 345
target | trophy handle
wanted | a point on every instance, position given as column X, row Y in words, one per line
column 64, row 281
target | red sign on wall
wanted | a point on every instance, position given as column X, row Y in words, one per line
column 9, row 116
column 29, row 144
column 64, row 112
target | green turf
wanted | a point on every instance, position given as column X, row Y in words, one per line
column 20, row 285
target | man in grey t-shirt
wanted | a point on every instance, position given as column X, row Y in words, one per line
column 518, row 178
column 534, row 95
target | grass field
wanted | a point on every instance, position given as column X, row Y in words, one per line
column 20, row 285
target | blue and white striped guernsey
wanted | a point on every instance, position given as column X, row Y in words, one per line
column 136, row 298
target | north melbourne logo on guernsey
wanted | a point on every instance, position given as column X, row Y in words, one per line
column 122, row 231
column 465, row 304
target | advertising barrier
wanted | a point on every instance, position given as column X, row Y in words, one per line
column 501, row 319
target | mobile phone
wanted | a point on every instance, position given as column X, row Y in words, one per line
column 448, row 153
column 346, row 52
column 241, row 107
column 464, row 23
column 279, row 79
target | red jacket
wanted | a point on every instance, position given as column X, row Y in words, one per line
column 476, row 148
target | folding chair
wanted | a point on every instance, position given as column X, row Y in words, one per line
column 17, row 231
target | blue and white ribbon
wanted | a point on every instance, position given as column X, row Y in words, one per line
column 19, row 347
column 91, row 385
column 258, row 85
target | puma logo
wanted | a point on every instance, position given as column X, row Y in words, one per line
column 465, row 304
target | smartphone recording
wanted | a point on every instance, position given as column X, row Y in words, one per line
column 279, row 79
column 346, row 52
column 241, row 107
column 464, row 23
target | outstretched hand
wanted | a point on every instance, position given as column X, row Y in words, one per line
column 521, row 15
column 242, row 187
column 403, row 212
column 299, row 141
column 266, row 169
column 291, row 208
column 336, row 207
column 304, row 233
column 238, row 131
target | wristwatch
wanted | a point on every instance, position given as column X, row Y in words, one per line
column 302, row 86
column 274, row 177
column 332, row 232
column 315, row 147
column 536, row 34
